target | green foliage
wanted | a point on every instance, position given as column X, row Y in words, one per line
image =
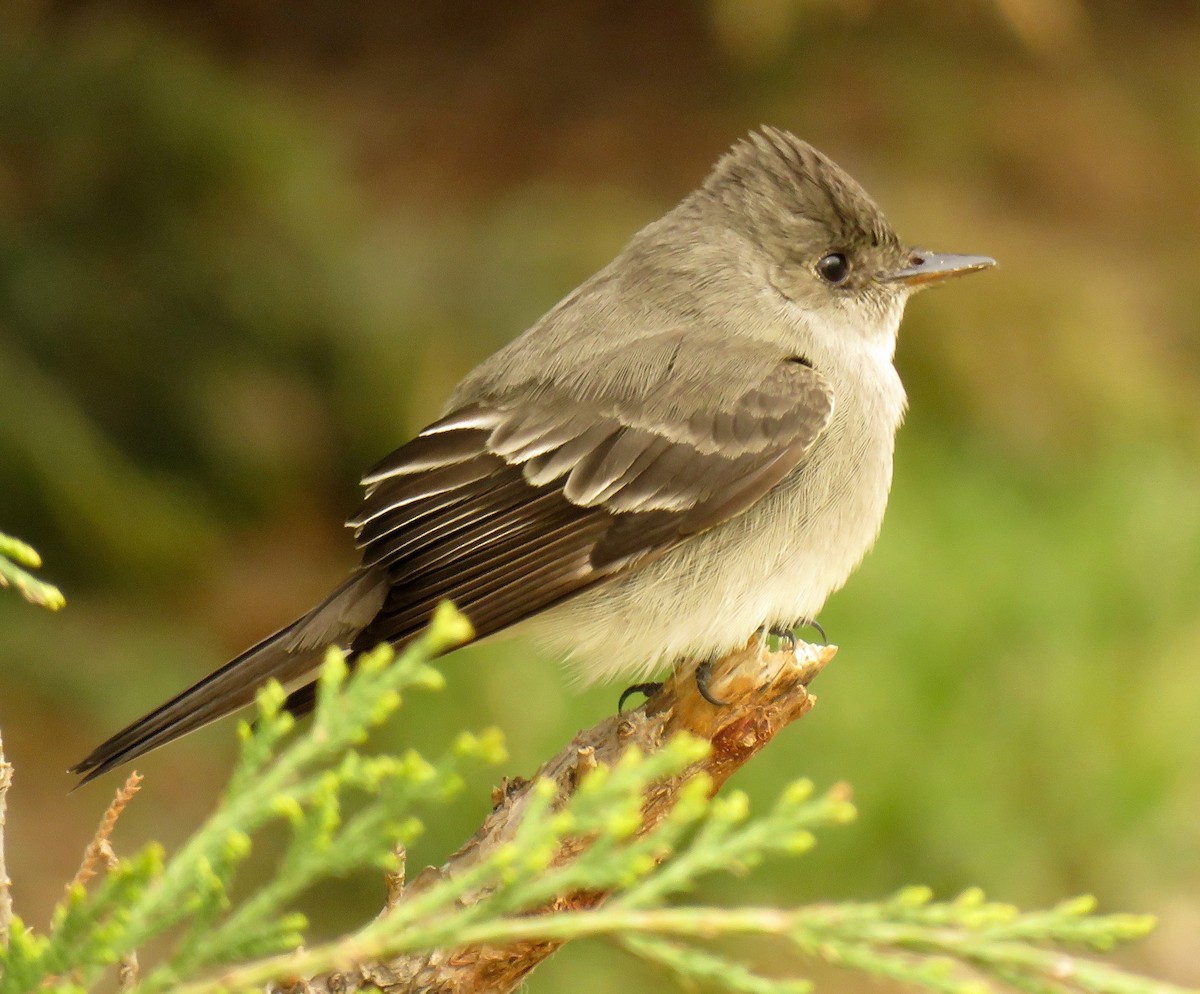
column 308, row 782
column 16, row 559
column 303, row 785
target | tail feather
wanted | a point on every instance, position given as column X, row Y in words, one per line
column 226, row 690
column 290, row 654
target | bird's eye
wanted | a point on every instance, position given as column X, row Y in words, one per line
column 834, row 268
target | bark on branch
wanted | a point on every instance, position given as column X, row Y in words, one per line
column 764, row 692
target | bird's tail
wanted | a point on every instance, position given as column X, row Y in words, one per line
column 290, row 654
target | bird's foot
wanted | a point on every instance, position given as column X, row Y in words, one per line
column 648, row 689
column 703, row 676
column 788, row 635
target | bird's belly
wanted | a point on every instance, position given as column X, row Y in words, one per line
column 774, row 564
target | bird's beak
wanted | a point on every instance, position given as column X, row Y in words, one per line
column 925, row 268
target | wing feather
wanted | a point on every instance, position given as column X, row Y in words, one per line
column 393, row 494
column 528, row 500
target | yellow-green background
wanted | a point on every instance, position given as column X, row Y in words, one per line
column 247, row 248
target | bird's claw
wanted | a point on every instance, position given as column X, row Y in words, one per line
column 703, row 676
column 785, row 635
column 788, row 635
column 649, row 689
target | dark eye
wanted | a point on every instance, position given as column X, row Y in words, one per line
column 834, row 268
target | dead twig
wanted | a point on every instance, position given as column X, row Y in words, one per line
column 99, row 853
column 99, row 850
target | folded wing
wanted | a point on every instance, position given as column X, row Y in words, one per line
column 507, row 507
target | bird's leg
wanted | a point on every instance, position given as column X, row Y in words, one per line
column 703, row 675
column 649, row 689
column 788, row 634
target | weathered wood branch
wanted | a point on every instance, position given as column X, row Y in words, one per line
column 764, row 692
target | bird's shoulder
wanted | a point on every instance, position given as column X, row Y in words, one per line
column 645, row 376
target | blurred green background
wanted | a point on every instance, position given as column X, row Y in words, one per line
column 246, row 249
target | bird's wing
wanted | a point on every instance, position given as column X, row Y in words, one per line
column 526, row 496
column 510, row 504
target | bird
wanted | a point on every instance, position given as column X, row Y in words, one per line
column 694, row 445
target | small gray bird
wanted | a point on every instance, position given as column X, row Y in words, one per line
column 693, row 445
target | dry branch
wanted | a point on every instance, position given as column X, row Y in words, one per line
column 99, row 850
column 764, row 692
